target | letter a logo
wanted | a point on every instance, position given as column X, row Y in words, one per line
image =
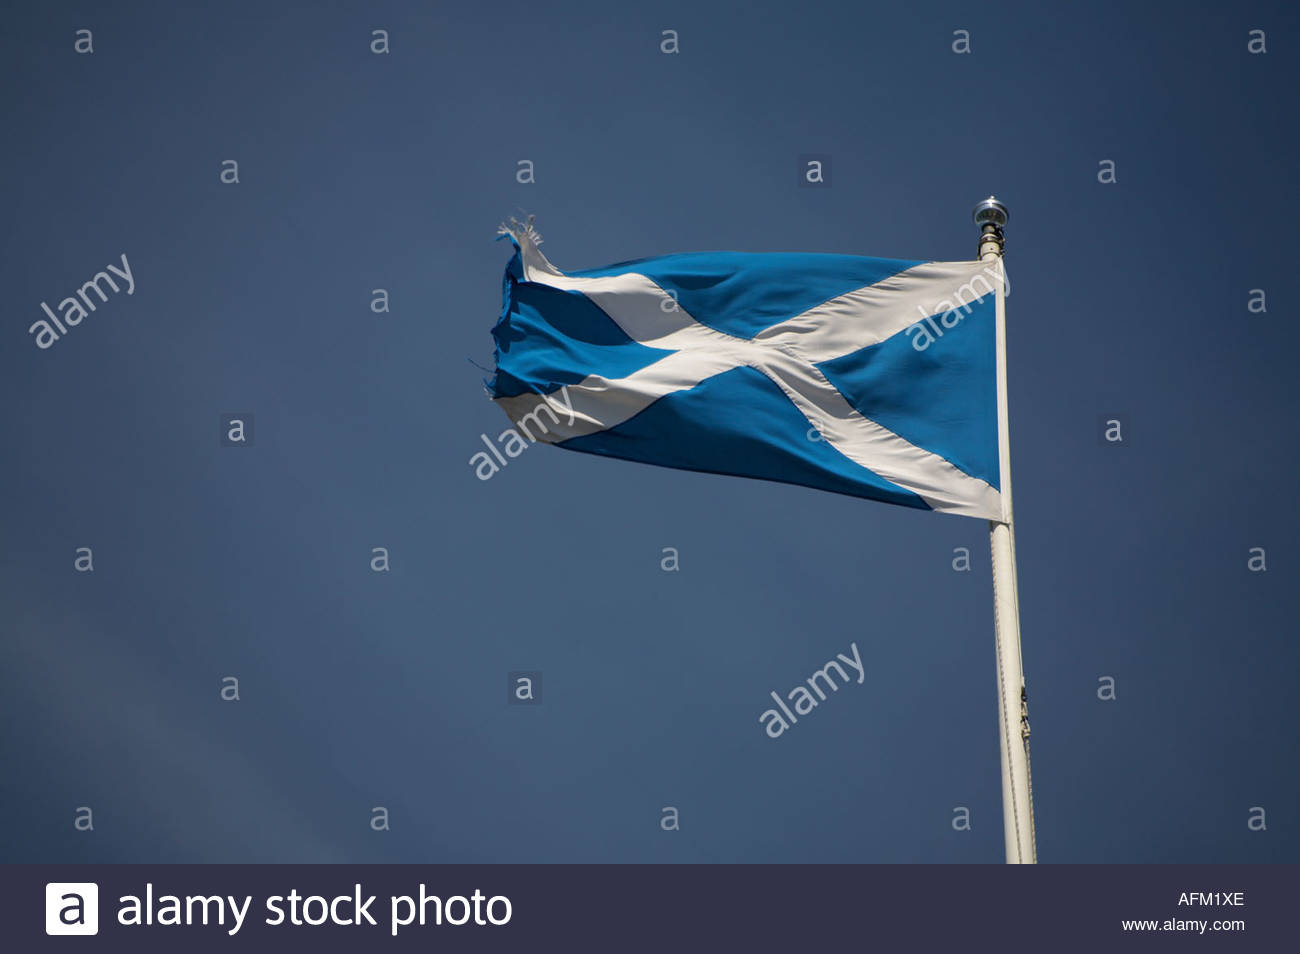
column 71, row 908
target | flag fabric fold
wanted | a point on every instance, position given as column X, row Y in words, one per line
column 875, row 378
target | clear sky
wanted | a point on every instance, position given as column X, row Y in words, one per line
column 361, row 171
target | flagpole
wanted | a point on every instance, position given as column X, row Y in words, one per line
column 1013, row 711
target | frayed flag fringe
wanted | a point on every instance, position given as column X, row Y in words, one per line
column 520, row 231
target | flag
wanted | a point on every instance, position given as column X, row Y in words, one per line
column 871, row 377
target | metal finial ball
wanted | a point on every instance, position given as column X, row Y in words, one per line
column 991, row 212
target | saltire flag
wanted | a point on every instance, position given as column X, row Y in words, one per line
column 871, row 377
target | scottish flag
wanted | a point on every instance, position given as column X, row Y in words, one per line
column 870, row 377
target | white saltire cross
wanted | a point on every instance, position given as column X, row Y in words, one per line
column 786, row 352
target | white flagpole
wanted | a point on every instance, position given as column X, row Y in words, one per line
column 1013, row 712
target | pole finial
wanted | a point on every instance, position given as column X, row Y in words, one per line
column 990, row 215
column 991, row 212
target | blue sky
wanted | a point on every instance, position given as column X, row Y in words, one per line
column 360, row 689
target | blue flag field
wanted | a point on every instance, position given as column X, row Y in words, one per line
column 871, row 377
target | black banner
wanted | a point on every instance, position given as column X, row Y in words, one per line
column 649, row 907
